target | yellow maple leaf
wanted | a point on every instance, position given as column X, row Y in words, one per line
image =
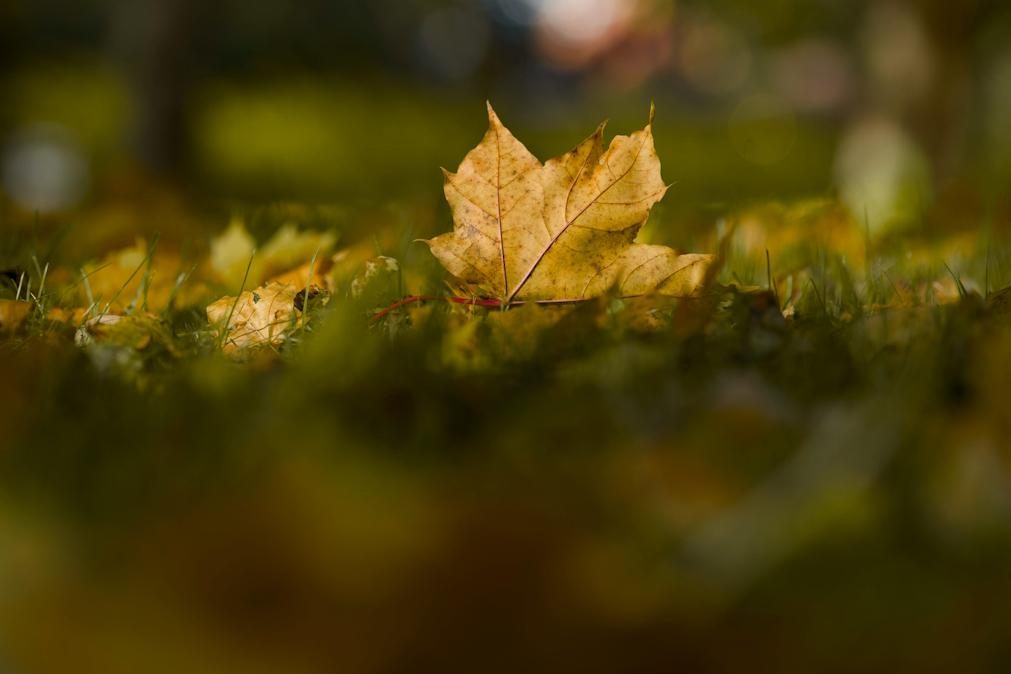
column 564, row 230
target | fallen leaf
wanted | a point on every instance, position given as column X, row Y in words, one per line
column 13, row 314
column 231, row 251
column 129, row 278
column 74, row 317
column 792, row 230
column 260, row 317
column 564, row 230
column 319, row 270
column 288, row 248
column 264, row 316
column 284, row 251
column 381, row 271
column 134, row 331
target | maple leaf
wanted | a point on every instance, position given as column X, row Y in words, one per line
column 564, row 230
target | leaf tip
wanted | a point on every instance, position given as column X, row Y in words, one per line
column 492, row 115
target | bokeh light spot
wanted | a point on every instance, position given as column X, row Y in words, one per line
column 44, row 169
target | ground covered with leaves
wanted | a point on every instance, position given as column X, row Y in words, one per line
column 286, row 439
column 806, row 461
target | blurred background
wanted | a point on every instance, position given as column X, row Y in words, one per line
column 892, row 106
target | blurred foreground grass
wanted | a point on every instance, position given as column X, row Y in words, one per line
column 814, row 476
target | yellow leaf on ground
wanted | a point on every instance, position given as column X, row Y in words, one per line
column 231, row 251
column 380, row 271
column 319, row 270
column 288, row 248
column 74, row 317
column 128, row 278
column 13, row 314
column 565, row 230
column 134, row 331
column 260, row 317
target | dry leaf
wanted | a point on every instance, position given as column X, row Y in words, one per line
column 265, row 315
column 319, row 270
column 134, row 331
column 260, row 317
column 231, row 251
column 13, row 314
column 127, row 278
column 287, row 249
column 74, row 317
column 791, row 230
column 381, row 271
column 564, row 230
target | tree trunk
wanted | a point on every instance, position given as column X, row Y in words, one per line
column 151, row 40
